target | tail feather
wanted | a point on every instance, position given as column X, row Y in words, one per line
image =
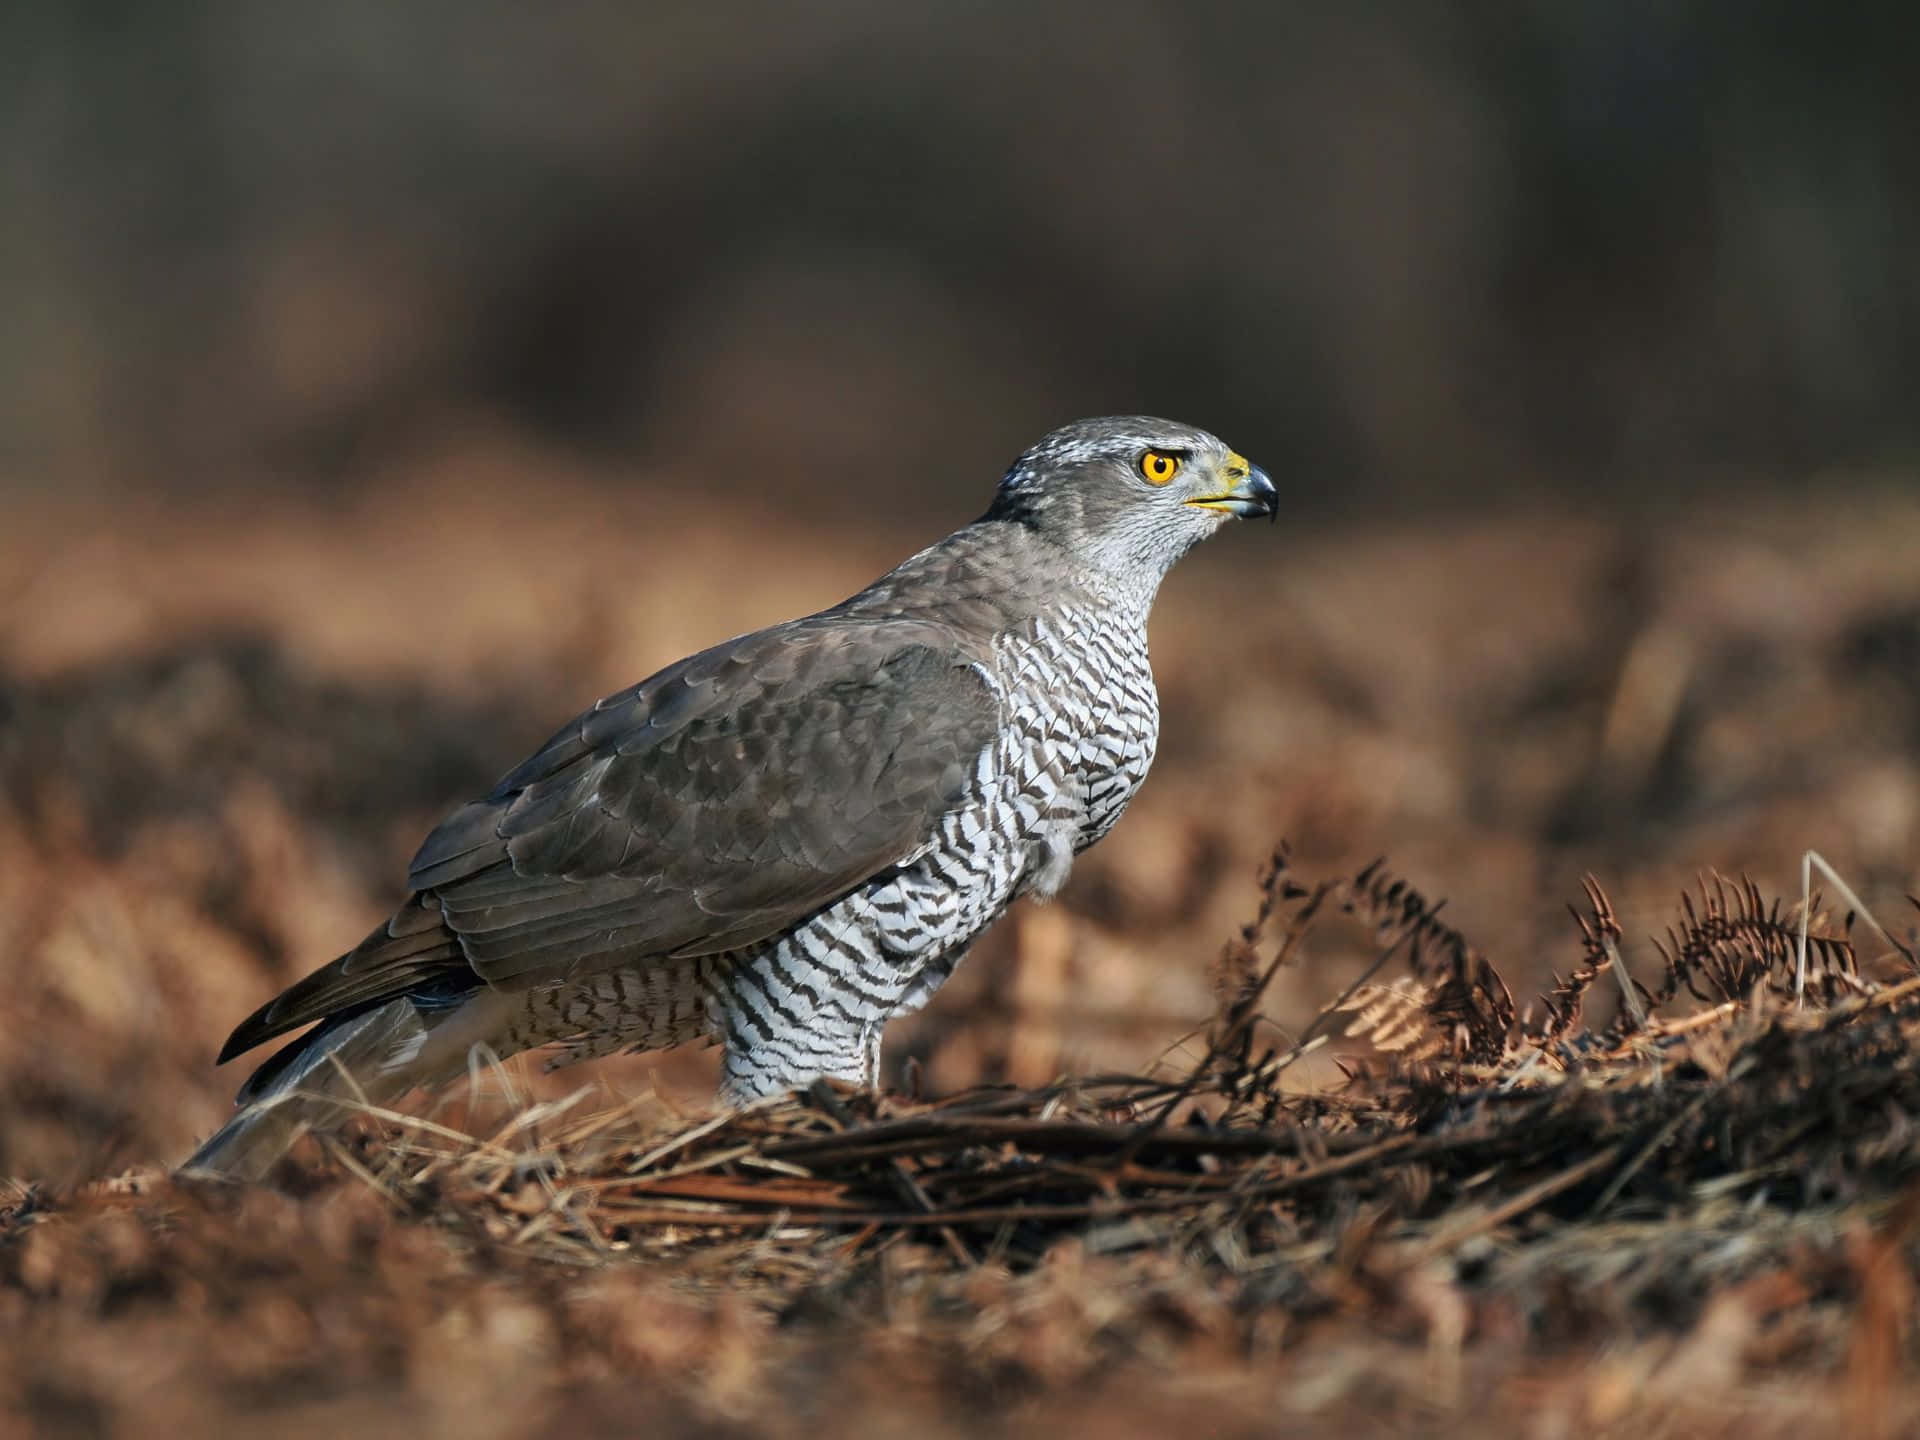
column 337, row 1069
column 412, row 952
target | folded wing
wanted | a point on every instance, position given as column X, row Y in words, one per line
column 715, row 804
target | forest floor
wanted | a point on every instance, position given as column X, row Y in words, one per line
column 1251, row 1132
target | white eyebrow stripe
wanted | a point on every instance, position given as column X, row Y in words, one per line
column 1081, row 444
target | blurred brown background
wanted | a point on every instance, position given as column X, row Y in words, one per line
column 1398, row 250
column 378, row 384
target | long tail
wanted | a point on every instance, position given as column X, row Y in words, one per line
column 337, row 1069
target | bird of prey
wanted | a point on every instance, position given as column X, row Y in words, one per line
column 787, row 840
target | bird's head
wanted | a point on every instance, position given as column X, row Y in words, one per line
column 1131, row 494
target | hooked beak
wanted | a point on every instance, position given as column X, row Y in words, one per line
column 1252, row 495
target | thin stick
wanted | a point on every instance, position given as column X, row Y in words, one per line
column 1808, row 861
column 821, row 1093
column 679, row 1142
column 1451, row 1237
column 1660, row 1137
column 1627, row 991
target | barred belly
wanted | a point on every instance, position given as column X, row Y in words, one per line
column 1081, row 718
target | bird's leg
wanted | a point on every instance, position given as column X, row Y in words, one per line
column 762, row 1059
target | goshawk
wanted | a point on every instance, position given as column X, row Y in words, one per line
column 787, row 840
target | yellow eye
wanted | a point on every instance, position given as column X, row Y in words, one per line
column 1159, row 467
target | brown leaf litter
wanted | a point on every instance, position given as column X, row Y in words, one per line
column 1666, row 1216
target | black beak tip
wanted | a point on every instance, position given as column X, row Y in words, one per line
column 1265, row 494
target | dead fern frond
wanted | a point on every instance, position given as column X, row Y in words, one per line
column 1567, row 999
column 1600, row 940
column 1235, row 976
column 1397, row 1019
column 1276, row 889
column 1241, row 980
column 1731, row 941
column 1468, row 1001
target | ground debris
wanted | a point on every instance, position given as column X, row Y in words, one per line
column 1701, row 1198
column 1465, row 1138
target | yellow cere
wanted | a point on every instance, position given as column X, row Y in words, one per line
column 1158, row 467
column 1233, row 470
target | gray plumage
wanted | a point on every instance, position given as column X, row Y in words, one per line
column 788, row 839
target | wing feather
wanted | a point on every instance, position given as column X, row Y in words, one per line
column 712, row 805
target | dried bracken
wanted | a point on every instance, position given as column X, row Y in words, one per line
column 1467, row 998
column 1747, row 1104
column 1600, row 937
column 1707, row 1174
column 1712, row 1170
column 1731, row 942
column 1744, row 1105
